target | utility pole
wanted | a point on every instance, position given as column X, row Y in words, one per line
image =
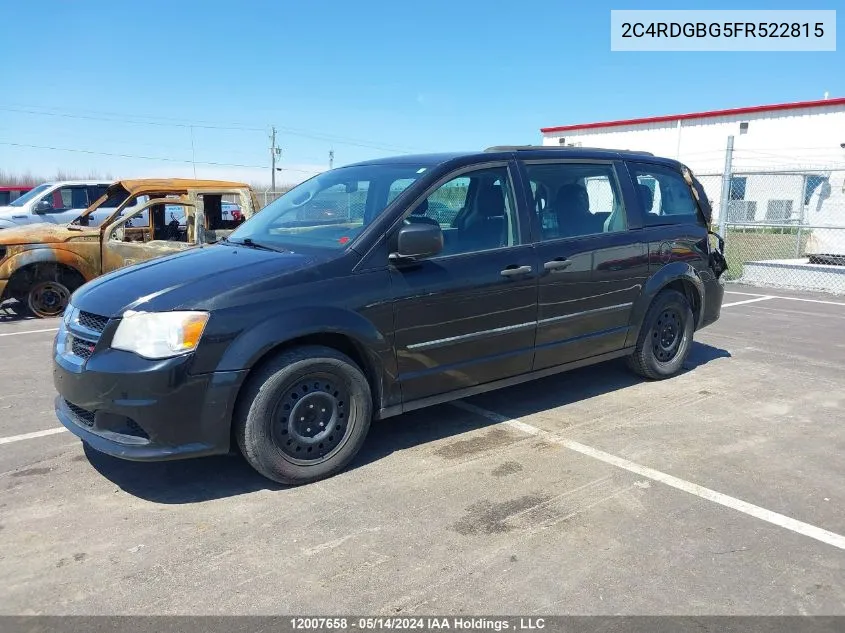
column 726, row 187
column 331, row 158
column 275, row 152
column 193, row 153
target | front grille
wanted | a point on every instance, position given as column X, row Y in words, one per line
column 135, row 429
column 79, row 334
column 83, row 416
column 92, row 321
column 82, row 348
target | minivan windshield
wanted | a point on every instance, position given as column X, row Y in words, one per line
column 32, row 193
column 329, row 210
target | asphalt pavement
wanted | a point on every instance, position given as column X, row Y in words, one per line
column 719, row 491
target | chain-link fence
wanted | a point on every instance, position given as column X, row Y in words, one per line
column 266, row 197
column 787, row 256
column 782, row 228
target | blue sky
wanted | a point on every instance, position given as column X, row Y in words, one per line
column 365, row 78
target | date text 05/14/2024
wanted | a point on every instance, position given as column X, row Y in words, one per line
column 418, row 623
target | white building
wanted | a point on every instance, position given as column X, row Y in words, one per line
column 788, row 160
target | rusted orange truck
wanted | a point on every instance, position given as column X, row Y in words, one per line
column 42, row 264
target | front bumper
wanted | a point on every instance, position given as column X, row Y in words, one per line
column 143, row 410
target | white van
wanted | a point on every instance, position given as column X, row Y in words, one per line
column 55, row 202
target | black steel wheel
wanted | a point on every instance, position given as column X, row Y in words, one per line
column 667, row 334
column 303, row 415
column 310, row 419
column 665, row 337
column 48, row 298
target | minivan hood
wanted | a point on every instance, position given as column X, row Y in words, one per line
column 197, row 278
column 41, row 233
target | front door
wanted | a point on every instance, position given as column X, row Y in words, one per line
column 144, row 234
column 63, row 205
column 592, row 263
column 467, row 316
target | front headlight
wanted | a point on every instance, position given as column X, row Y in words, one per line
column 159, row 335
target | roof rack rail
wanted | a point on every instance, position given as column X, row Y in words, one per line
column 564, row 148
column 512, row 148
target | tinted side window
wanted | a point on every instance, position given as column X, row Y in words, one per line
column 475, row 211
column 68, row 198
column 665, row 195
column 576, row 199
column 114, row 200
column 95, row 192
column 5, row 197
column 55, row 199
column 397, row 187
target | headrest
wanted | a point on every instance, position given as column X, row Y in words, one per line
column 572, row 198
column 491, row 202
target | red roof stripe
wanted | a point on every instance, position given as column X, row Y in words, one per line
column 698, row 115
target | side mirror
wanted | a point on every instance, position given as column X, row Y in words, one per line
column 417, row 241
column 42, row 206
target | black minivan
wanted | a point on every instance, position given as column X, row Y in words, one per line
column 385, row 286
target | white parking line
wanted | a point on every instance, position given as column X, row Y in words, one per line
column 31, row 436
column 753, row 294
column 49, row 329
column 739, row 303
column 780, row 520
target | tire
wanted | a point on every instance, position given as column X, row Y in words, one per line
column 304, row 415
column 49, row 297
column 665, row 338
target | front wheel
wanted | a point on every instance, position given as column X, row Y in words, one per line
column 665, row 337
column 304, row 415
column 48, row 298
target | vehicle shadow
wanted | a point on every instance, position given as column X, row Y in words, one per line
column 204, row 479
column 12, row 311
column 182, row 481
column 427, row 425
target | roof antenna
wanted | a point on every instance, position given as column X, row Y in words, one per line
column 826, row 95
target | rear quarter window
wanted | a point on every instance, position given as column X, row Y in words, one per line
column 665, row 196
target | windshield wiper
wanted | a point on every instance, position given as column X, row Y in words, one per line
column 248, row 241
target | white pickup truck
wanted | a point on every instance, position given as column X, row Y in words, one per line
column 56, row 203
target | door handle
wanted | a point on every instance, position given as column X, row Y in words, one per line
column 513, row 271
column 558, row 264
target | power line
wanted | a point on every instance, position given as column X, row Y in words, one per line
column 134, row 122
column 167, row 122
column 158, row 158
column 134, row 116
column 346, row 141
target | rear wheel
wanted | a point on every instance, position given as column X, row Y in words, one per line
column 304, row 415
column 665, row 338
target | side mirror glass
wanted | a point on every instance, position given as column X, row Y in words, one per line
column 417, row 241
